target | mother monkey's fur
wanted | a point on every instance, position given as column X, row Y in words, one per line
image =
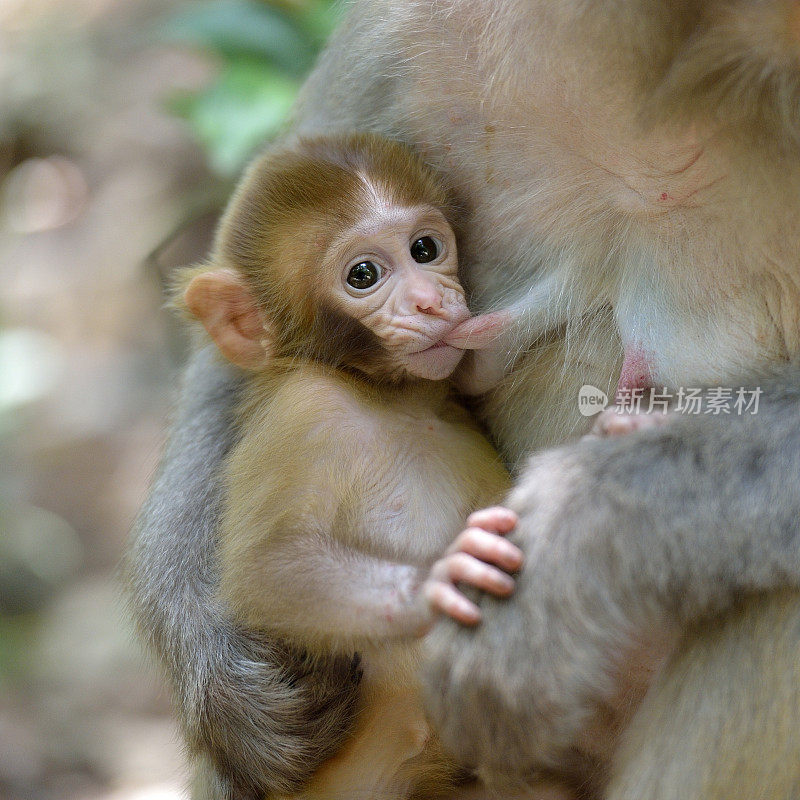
column 633, row 170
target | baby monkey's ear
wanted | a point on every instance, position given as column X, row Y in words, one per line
column 223, row 302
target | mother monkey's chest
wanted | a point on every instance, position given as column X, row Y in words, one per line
column 609, row 219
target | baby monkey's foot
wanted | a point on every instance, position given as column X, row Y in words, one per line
column 613, row 422
column 479, row 557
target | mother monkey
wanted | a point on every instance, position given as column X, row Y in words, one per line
column 633, row 173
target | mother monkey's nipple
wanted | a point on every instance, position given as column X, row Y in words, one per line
column 636, row 372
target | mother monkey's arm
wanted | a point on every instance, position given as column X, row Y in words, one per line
column 627, row 541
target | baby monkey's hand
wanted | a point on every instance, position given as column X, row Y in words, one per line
column 478, row 557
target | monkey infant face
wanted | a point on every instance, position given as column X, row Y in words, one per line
column 396, row 273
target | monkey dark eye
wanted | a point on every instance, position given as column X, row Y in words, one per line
column 424, row 250
column 364, row 275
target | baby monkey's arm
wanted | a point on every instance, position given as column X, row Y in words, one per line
column 318, row 590
column 315, row 589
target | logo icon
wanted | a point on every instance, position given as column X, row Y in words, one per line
column 591, row 400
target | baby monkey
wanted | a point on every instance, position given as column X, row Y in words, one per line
column 334, row 284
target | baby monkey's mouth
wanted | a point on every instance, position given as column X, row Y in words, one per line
column 436, row 359
column 438, row 338
column 435, row 346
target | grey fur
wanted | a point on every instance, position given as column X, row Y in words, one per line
column 660, row 530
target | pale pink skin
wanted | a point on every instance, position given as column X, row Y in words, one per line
column 612, row 422
column 636, row 374
column 417, row 310
column 413, row 306
column 637, row 370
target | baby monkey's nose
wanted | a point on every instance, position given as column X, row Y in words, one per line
column 430, row 305
column 425, row 296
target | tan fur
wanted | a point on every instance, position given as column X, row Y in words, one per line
column 331, row 434
column 293, row 199
column 344, row 486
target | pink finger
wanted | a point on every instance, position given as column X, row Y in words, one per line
column 446, row 599
column 488, row 547
column 463, row 568
column 495, row 518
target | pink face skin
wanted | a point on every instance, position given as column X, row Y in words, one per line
column 398, row 277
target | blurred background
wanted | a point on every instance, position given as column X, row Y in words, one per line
column 123, row 125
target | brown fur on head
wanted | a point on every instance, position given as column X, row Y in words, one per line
column 291, row 203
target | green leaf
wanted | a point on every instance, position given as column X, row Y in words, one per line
column 236, row 28
column 245, row 107
column 320, row 18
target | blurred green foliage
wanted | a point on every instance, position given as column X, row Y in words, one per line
column 264, row 48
